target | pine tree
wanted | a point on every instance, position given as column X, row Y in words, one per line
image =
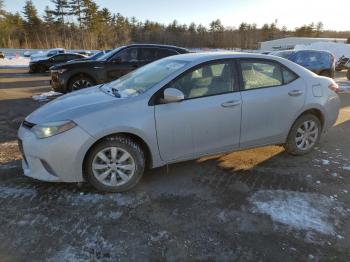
column 31, row 15
column 76, row 10
column 48, row 17
column 61, row 10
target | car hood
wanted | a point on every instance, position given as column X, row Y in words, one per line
column 80, row 64
column 73, row 105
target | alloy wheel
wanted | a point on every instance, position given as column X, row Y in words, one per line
column 307, row 135
column 81, row 83
column 113, row 166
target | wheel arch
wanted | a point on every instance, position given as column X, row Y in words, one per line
column 312, row 110
column 144, row 146
column 81, row 74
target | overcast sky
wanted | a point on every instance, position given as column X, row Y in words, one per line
column 231, row 12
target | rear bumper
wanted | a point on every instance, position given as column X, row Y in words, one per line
column 332, row 110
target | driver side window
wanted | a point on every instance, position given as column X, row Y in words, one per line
column 209, row 79
column 127, row 55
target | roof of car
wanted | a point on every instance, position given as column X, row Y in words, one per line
column 157, row 45
column 219, row 55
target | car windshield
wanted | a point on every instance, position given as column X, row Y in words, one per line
column 144, row 78
column 108, row 54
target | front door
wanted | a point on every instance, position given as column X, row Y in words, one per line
column 122, row 63
column 207, row 120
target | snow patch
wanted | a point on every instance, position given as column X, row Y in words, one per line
column 13, row 192
column 302, row 211
column 325, row 162
column 46, row 96
column 346, row 168
column 14, row 62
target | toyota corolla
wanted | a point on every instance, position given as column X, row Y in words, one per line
column 176, row 109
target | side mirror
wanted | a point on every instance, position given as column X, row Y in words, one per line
column 172, row 95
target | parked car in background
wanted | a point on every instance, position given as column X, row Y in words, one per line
column 176, row 109
column 43, row 64
column 47, row 53
column 95, row 56
column 110, row 66
column 319, row 62
column 2, row 55
column 343, row 63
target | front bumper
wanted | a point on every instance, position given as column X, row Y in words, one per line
column 55, row 159
column 58, row 83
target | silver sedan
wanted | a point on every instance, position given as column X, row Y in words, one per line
column 175, row 109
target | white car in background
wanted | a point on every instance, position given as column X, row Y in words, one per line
column 47, row 53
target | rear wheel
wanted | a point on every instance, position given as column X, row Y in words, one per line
column 116, row 164
column 79, row 82
column 304, row 135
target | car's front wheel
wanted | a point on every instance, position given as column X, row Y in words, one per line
column 304, row 135
column 115, row 164
column 79, row 82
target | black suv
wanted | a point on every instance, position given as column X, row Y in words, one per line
column 80, row 74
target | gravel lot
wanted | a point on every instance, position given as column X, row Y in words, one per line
column 254, row 205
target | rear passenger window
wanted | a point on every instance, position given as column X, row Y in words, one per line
column 165, row 53
column 260, row 74
column 288, row 76
column 148, row 54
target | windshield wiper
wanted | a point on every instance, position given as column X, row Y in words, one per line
column 115, row 92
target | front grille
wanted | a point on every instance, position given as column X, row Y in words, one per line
column 20, row 145
column 27, row 124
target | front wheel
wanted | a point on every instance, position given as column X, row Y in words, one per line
column 115, row 164
column 348, row 74
column 80, row 82
column 304, row 135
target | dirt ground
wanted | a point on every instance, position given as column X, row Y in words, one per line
column 254, row 205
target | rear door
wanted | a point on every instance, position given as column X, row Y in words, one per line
column 123, row 62
column 207, row 120
column 272, row 96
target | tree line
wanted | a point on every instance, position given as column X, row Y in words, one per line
column 82, row 24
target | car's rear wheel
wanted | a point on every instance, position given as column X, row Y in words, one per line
column 304, row 135
column 115, row 164
column 79, row 82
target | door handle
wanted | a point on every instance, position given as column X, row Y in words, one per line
column 232, row 103
column 295, row 93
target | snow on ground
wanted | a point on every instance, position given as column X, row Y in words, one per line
column 302, row 211
column 46, row 96
column 337, row 49
column 14, row 62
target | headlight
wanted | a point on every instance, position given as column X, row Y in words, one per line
column 53, row 128
column 59, row 71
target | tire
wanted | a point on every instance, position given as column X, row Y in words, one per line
column 294, row 144
column 348, row 74
column 116, row 173
column 80, row 82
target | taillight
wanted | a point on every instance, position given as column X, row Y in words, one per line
column 334, row 87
